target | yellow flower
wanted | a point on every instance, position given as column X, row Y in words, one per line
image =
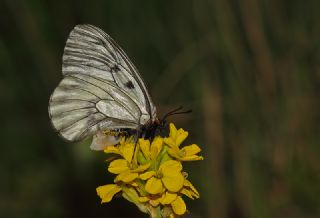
column 125, row 148
column 126, row 171
column 149, row 173
column 176, row 137
column 151, row 151
column 187, row 153
column 169, row 176
column 167, row 198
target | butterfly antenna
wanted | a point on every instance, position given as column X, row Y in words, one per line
column 175, row 112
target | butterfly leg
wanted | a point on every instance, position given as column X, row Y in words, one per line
column 135, row 139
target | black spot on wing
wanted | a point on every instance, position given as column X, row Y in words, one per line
column 115, row 68
column 129, row 85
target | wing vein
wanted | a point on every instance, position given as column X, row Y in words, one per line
column 124, row 106
column 78, row 121
column 67, row 88
column 57, row 115
column 106, row 117
column 72, row 99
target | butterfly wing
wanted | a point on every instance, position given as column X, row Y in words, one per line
column 101, row 88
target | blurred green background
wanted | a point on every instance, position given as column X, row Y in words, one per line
column 250, row 70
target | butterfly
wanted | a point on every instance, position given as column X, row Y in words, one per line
column 101, row 94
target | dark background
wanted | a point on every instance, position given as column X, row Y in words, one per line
column 250, row 70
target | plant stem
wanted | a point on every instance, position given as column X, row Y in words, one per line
column 155, row 212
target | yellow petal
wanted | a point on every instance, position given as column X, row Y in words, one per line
column 154, row 202
column 191, row 149
column 188, row 193
column 167, row 198
column 141, row 168
column 187, row 153
column 156, row 147
column 147, row 175
column 170, row 167
column 174, row 152
column 122, row 141
column 154, row 186
column 191, row 158
column 134, row 184
column 106, row 192
column 143, row 199
column 178, row 206
column 169, row 142
column 127, row 151
column 126, row 177
column 181, row 136
column 173, row 182
column 112, row 150
column 188, row 184
column 118, row 166
column 145, row 147
column 136, row 152
column 173, row 131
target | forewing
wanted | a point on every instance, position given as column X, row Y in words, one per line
column 90, row 51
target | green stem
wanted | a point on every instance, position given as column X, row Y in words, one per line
column 155, row 212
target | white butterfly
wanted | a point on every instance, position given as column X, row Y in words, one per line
column 101, row 90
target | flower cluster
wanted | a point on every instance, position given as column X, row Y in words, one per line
column 150, row 174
